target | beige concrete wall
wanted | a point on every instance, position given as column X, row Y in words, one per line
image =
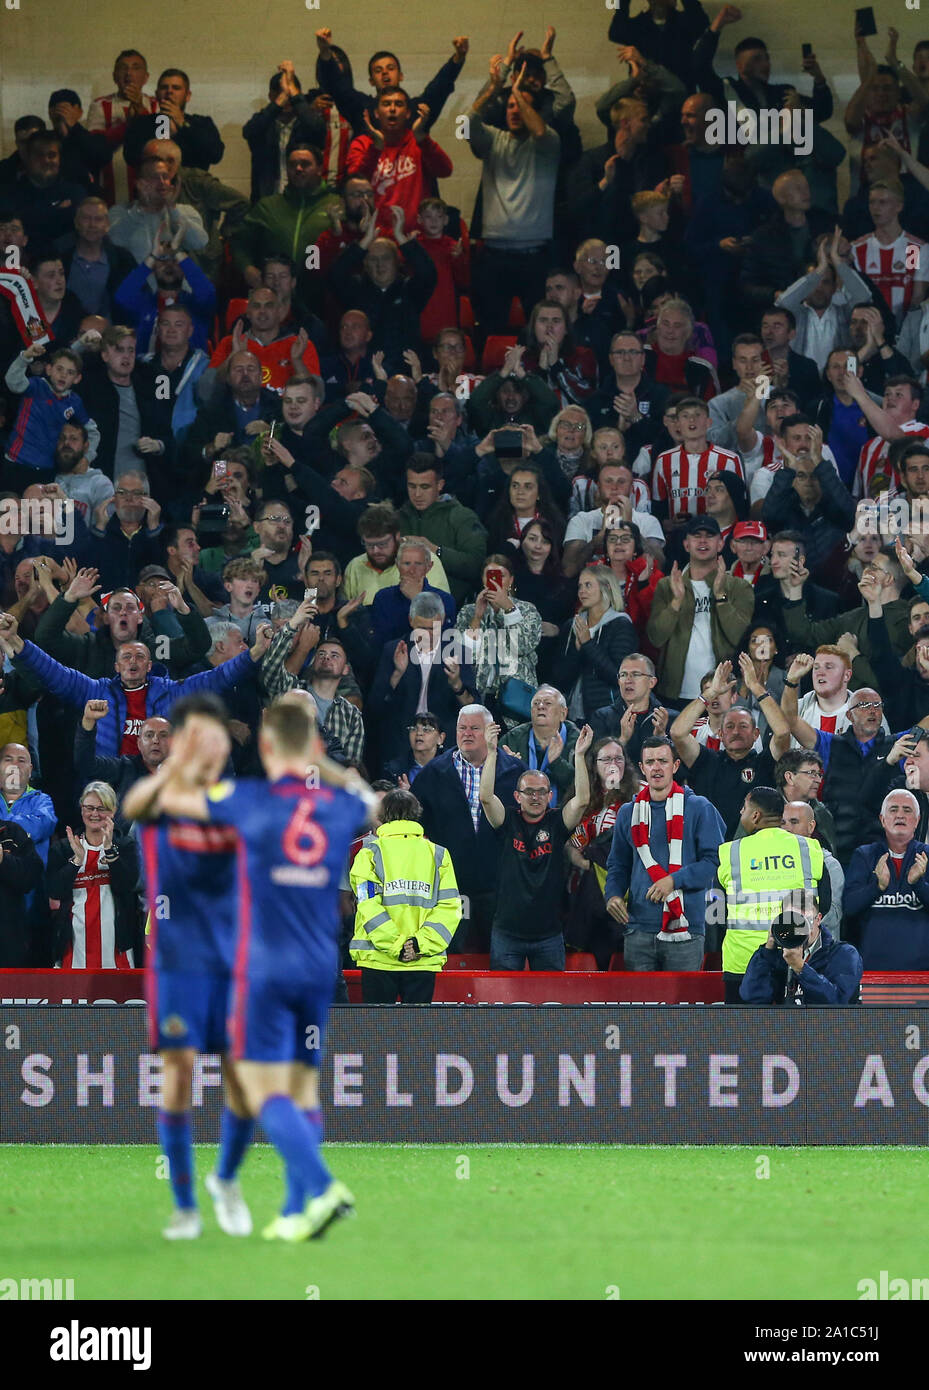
column 230, row 49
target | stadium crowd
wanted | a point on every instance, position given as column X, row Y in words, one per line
column 595, row 517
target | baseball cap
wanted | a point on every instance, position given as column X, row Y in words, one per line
column 154, row 572
column 749, row 531
column 703, row 523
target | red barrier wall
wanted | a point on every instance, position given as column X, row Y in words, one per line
column 463, row 987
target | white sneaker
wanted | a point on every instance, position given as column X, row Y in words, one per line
column 231, row 1210
column 321, row 1211
column 185, row 1224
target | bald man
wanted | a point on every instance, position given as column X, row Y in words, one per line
column 20, row 802
column 800, row 819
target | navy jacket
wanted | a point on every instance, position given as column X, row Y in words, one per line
column 890, row 925
column 831, row 976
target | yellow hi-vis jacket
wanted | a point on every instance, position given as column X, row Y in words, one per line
column 758, row 872
column 405, row 886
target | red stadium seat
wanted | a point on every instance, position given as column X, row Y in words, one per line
column 470, row 360
column 495, row 351
column 580, row 960
column 617, row 961
column 477, row 962
column 235, row 309
column 517, row 319
column 465, row 312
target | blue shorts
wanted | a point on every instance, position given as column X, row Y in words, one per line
column 186, row 1009
column 279, row 1020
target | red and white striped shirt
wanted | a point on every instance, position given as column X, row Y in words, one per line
column 874, row 475
column 110, row 115
column 93, row 919
column 680, row 478
column 895, row 269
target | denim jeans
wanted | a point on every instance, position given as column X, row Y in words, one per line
column 643, row 951
column 508, row 952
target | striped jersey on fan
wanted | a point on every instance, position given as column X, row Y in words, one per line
column 894, row 268
column 93, row 919
column 680, row 478
column 874, row 474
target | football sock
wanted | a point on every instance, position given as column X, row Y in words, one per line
column 174, row 1136
column 292, row 1135
column 295, row 1197
column 235, row 1135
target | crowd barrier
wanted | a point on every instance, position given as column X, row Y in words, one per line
column 463, row 987
column 509, row 1074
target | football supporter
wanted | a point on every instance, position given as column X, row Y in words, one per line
column 526, row 925
column 662, row 860
column 91, row 881
column 680, row 474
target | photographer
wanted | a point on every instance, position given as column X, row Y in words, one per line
column 801, row 963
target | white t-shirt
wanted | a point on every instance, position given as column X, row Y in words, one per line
column 700, row 657
column 585, row 525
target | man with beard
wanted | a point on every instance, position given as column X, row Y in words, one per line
column 87, row 487
column 365, row 575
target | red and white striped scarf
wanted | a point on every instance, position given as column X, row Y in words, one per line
column 673, row 922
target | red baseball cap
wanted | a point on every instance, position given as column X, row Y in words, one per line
column 749, row 531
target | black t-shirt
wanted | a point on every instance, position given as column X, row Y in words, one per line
column 283, row 580
column 726, row 783
column 531, row 875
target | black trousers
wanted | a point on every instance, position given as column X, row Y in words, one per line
column 732, row 984
column 498, row 276
column 383, row 986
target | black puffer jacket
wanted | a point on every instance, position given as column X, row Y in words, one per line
column 596, row 663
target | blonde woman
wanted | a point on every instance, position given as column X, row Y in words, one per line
column 593, row 644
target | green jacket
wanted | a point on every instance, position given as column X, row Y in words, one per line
column 827, row 631
column 461, row 537
column 561, row 772
column 670, row 631
column 282, row 224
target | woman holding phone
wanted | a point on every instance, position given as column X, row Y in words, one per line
column 501, row 635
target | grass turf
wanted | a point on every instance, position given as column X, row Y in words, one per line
column 529, row 1222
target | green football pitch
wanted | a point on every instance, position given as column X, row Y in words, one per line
column 455, row 1223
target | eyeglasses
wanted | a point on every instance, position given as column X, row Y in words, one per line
column 626, row 352
column 808, row 772
column 591, row 260
column 129, row 492
column 633, row 675
column 567, row 425
column 617, row 762
column 867, row 704
column 533, row 792
column 278, row 520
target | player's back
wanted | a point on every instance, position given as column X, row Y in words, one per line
column 292, row 851
column 190, row 874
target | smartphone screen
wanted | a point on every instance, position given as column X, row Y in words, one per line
column 851, row 366
column 219, row 468
column 864, row 19
column 495, row 578
column 309, row 596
